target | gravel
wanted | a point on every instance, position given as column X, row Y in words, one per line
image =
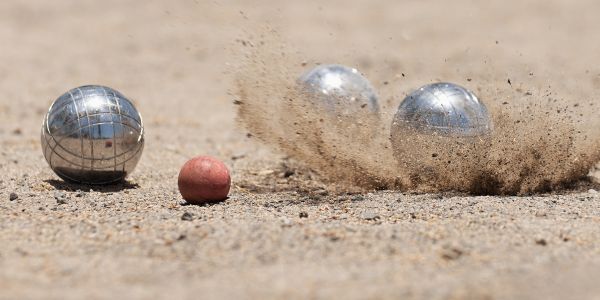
column 13, row 196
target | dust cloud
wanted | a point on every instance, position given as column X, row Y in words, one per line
column 546, row 134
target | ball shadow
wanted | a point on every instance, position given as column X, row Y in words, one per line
column 105, row 188
column 183, row 202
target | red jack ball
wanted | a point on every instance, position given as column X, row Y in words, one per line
column 204, row 179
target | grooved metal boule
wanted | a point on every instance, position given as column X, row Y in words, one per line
column 444, row 109
column 92, row 134
column 340, row 89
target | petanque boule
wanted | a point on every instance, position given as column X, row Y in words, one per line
column 445, row 109
column 92, row 135
column 339, row 89
column 437, row 130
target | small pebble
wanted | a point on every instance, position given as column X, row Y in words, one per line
column 285, row 222
column 370, row 216
column 321, row 192
column 303, row 214
column 60, row 197
column 451, row 253
column 237, row 156
column 187, row 216
column 592, row 191
column 13, row 196
column 357, row 198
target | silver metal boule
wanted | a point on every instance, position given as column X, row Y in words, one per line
column 92, row 134
column 340, row 88
column 443, row 108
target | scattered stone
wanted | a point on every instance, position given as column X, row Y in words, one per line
column 370, row 216
column 541, row 242
column 303, row 214
column 265, row 172
column 540, row 214
column 238, row 156
column 451, row 253
column 285, row 222
column 592, row 191
column 321, row 192
column 79, row 193
column 187, row 216
column 357, row 198
column 60, row 197
column 184, row 203
column 332, row 236
column 13, row 196
column 21, row 252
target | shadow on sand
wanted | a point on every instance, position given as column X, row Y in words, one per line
column 105, row 188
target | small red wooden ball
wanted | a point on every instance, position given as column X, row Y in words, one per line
column 204, row 179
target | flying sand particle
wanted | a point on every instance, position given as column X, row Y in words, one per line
column 532, row 148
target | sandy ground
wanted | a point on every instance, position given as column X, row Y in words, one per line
column 271, row 240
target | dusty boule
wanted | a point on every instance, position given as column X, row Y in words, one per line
column 339, row 89
column 442, row 108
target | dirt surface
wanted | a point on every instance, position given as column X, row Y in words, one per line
column 286, row 231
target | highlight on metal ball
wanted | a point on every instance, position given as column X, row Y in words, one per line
column 340, row 89
column 445, row 109
column 93, row 135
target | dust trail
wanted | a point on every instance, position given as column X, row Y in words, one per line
column 542, row 140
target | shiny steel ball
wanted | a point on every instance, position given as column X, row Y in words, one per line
column 340, row 89
column 444, row 109
column 93, row 135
